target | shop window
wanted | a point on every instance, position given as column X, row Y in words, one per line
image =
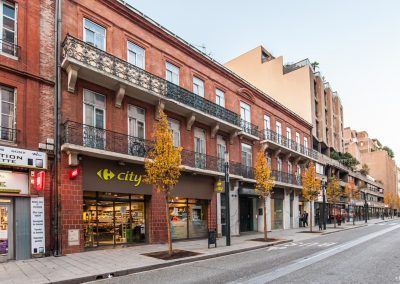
column 112, row 219
column 188, row 218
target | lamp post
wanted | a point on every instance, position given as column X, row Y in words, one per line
column 324, row 204
column 227, row 210
column 365, row 208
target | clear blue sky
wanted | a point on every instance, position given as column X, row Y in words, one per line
column 357, row 44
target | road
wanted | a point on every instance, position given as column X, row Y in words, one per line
column 365, row 255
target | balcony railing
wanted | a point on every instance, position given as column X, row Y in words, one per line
column 292, row 67
column 94, row 58
column 289, row 143
column 8, row 134
column 9, row 48
column 249, row 128
column 202, row 161
column 182, row 95
column 286, row 178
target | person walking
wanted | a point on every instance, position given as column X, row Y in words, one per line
column 305, row 219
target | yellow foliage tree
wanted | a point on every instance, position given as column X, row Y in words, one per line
column 311, row 187
column 264, row 183
column 334, row 192
column 163, row 165
column 353, row 193
column 390, row 200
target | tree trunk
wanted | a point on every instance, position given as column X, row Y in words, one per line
column 265, row 221
column 311, row 211
column 168, row 225
column 334, row 215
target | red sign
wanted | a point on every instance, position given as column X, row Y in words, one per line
column 40, row 180
column 73, row 174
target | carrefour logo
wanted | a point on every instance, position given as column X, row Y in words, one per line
column 129, row 176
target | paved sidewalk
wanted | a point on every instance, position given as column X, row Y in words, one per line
column 86, row 266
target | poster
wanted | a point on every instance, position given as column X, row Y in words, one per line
column 37, row 225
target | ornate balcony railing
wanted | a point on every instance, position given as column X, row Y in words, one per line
column 249, row 128
column 247, row 172
column 286, row 177
column 92, row 57
column 289, row 143
column 202, row 161
column 8, row 134
column 9, row 48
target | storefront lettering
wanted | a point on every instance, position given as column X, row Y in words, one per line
column 106, row 175
column 7, row 158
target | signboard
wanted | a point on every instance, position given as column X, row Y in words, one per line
column 218, row 186
column 37, row 225
column 14, row 182
column 73, row 237
column 22, row 158
column 40, row 180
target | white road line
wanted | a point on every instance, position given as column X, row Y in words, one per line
column 309, row 260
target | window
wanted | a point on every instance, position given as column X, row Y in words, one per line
column 94, row 117
column 306, row 143
column 245, row 112
column 221, row 149
column 175, row 127
column 8, row 27
column 290, row 168
column 319, row 169
column 172, row 73
column 7, row 118
column 279, row 168
column 289, row 136
column 298, row 141
column 267, row 127
column 136, row 55
column 198, row 87
column 298, row 172
column 136, row 125
column 269, row 160
column 247, row 157
column 219, row 97
column 278, row 128
column 200, row 148
column 94, row 34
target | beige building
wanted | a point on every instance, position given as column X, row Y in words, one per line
column 369, row 151
column 300, row 89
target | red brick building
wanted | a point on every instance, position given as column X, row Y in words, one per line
column 26, row 125
column 120, row 67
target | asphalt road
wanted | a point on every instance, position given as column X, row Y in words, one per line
column 365, row 255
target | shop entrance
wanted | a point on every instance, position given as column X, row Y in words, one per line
column 247, row 207
column 113, row 219
column 6, row 230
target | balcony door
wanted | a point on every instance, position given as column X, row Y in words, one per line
column 200, row 148
column 245, row 115
column 7, row 117
column 267, row 127
column 278, row 128
column 136, row 128
column 94, row 120
column 247, row 159
column 221, row 149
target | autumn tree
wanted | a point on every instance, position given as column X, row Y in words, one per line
column 163, row 165
column 264, row 183
column 311, row 188
column 353, row 193
column 390, row 200
column 333, row 193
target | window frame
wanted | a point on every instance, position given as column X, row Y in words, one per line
column 243, row 106
column 129, row 42
column 101, row 26
column 94, row 108
column 14, row 122
column 15, row 47
column 200, row 86
column 167, row 63
column 137, row 119
column 175, row 122
column 220, row 95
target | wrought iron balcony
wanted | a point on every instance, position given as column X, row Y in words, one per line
column 247, row 172
column 9, row 48
column 202, row 161
column 249, row 128
column 286, row 178
column 88, row 57
column 289, row 143
column 8, row 134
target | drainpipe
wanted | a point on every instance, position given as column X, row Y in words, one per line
column 57, row 117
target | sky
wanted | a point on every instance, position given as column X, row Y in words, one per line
column 357, row 45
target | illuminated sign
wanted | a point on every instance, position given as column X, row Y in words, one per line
column 40, row 180
column 14, row 182
column 22, row 158
column 73, row 174
column 130, row 176
column 218, row 186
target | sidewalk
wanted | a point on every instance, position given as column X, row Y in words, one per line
column 86, row 266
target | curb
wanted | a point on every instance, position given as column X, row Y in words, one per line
column 346, row 229
column 104, row 276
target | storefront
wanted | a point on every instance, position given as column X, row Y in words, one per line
column 117, row 204
column 277, row 198
column 22, row 229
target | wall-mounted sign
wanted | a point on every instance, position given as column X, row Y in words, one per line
column 218, row 186
column 73, row 237
column 37, row 225
column 40, row 180
column 22, row 158
column 74, row 173
column 14, row 182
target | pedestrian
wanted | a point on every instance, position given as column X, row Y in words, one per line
column 301, row 224
column 319, row 220
column 305, row 219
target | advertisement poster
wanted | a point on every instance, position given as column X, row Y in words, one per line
column 37, row 225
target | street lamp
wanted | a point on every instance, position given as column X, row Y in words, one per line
column 365, row 208
column 324, row 203
column 227, row 210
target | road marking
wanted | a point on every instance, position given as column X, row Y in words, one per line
column 300, row 244
column 314, row 258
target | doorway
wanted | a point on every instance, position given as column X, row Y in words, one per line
column 247, row 207
column 6, row 230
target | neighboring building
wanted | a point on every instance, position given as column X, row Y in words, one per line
column 120, row 68
column 381, row 166
column 26, row 126
column 300, row 89
column 398, row 181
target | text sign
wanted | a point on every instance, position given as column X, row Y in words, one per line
column 14, row 182
column 22, row 158
column 37, row 225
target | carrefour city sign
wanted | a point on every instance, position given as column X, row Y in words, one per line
column 130, row 176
